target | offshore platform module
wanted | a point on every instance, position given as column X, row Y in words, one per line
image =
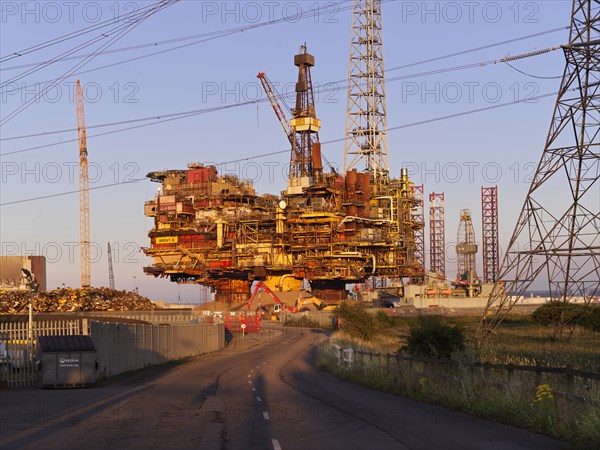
column 325, row 228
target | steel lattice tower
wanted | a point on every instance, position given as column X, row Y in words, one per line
column 84, row 194
column 366, row 124
column 437, row 234
column 304, row 122
column 419, row 217
column 111, row 274
column 556, row 242
column 466, row 248
column 489, row 233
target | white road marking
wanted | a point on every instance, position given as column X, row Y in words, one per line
column 259, row 399
column 251, row 370
column 258, row 367
column 254, row 389
column 276, row 444
column 249, row 375
column 266, row 415
column 249, row 381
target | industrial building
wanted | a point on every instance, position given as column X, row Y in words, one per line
column 11, row 275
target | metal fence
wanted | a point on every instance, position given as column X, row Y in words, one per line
column 120, row 347
column 124, row 347
column 17, row 347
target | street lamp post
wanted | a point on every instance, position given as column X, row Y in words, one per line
column 33, row 287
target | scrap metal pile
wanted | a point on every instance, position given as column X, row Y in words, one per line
column 70, row 300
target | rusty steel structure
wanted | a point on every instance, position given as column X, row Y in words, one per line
column 84, row 194
column 437, row 234
column 466, row 248
column 419, row 217
column 489, row 233
column 366, row 120
column 556, row 241
column 326, row 228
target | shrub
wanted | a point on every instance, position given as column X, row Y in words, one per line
column 385, row 320
column 433, row 338
column 560, row 316
column 303, row 321
column 591, row 320
column 358, row 322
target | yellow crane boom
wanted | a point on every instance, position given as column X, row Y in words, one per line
column 84, row 194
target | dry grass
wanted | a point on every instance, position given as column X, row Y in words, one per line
column 515, row 399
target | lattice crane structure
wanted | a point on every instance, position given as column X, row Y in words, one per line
column 84, row 194
column 111, row 274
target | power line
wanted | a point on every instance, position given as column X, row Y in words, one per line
column 186, row 114
column 122, row 30
column 217, row 33
column 248, row 158
column 72, row 35
column 214, row 35
column 228, row 32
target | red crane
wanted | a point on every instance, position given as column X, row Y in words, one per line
column 278, row 304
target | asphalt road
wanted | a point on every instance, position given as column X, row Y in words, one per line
column 262, row 392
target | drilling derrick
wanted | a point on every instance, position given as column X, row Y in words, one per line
column 466, row 248
column 437, row 234
column 305, row 126
column 366, row 124
column 84, row 194
column 556, row 241
column 489, row 221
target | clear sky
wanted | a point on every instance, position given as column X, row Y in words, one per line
column 456, row 156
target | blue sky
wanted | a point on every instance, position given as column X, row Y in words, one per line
column 456, row 156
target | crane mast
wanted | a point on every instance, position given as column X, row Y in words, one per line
column 84, row 194
column 111, row 275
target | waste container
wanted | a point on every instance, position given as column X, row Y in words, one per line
column 67, row 361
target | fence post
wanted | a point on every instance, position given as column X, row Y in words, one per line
column 538, row 373
column 570, row 377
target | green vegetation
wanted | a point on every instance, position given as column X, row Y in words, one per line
column 357, row 321
column 435, row 339
column 302, row 322
column 561, row 317
column 566, row 408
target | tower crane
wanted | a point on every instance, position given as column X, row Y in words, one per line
column 84, row 194
column 111, row 275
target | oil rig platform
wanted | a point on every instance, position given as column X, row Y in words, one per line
column 326, row 228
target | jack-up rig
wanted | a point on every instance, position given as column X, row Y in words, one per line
column 327, row 228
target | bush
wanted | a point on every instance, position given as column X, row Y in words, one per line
column 591, row 320
column 303, row 322
column 560, row 316
column 434, row 339
column 358, row 322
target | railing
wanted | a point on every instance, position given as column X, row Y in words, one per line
column 349, row 358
